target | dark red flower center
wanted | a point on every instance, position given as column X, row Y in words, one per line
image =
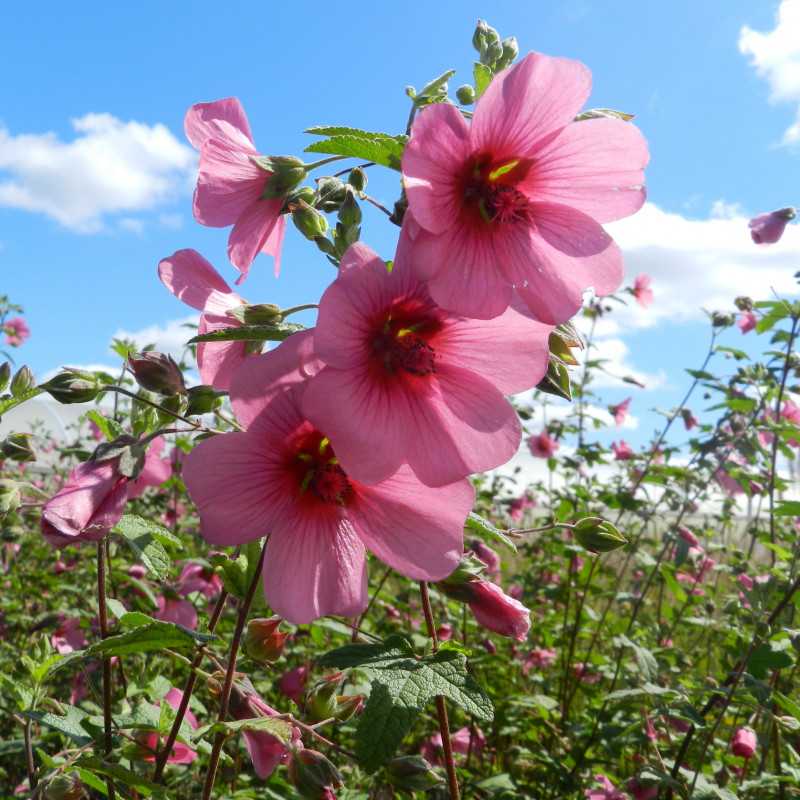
column 489, row 189
column 402, row 339
column 318, row 471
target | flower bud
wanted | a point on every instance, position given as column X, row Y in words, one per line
column 412, row 773
column 157, row 372
column 321, row 698
column 357, row 179
column 348, row 705
column 5, row 375
column 313, row 775
column 10, row 497
column 263, row 641
column 465, row 95
column 720, row 320
column 744, row 303
column 258, row 314
column 768, row 228
column 510, row 52
column 17, row 447
column 350, row 213
column 202, row 400
column 310, row 222
column 598, row 535
column 330, row 194
column 64, row 786
column 744, row 743
column 73, row 386
column 287, row 173
column 498, row 612
column 22, row 381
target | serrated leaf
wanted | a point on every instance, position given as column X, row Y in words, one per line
column 70, row 724
column 110, row 428
column 345, row 130
column 483, row 527
column 251, row 333
column 156, row 635
column 8, row 402
column 143, row 537
column 386, row 152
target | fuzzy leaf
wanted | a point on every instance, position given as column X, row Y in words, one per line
column 384, row 151
column 251, row 333
column 156, row 635
column 143, row 537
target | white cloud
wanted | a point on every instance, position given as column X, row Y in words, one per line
column 696, row 264
column 171, row 221
column 109, row 167
column 132, row 225
column 775, row 55
column 169, row 338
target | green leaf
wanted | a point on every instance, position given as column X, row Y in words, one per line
column 143, row 537
column 120, row 774
column 483, row 527
column 402, row 685
column 767, row 657
column 276, row 332
column 110, row 428
column 788, row 508
column 778, row 312
column 70, row 724
column 482, row 76
column 8, row 401
column 156, row 635
column 279, row 728
column 344, row 130
column 384, row 151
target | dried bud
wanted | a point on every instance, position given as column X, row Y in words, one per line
column 157, row 372
column 465, row 95
column 348, row 705
column 313, row 775
column 22, row 381
column 598, row 535
column 357, row 179
column 412, row 773
column 73, row 386
column 310, row 222
column 263, row 641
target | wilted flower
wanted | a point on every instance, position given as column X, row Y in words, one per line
column 768, row 228
column 747, row 322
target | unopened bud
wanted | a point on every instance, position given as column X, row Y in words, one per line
column 258, row 314
column 73, row 386
column 598, row 535
column 310, row 222
column 263, row 641
column 357, row 179
column 465, row 95
column 10, row 497
column 22, row 381
column 202, row 399
column 510, row 52
column 350, row 213
column 412, row 773
column 5, row 375
column 313, row 775
column 330, row 194
column 64, row 786
column 157, row 372
column 305, row 193
column 17, row 447
column 321, row 698
column 744, row 303
column 561, row 349
column 347, row 706
column 720, row 320
column 287, row 173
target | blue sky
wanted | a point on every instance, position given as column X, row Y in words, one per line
column 87, row 209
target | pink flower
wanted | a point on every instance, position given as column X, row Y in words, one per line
column 516, row 591
column 640, row 791
column 542, row 445
column 156, row 470
column 538, row 658
column 173, row 609
column 689, row 420
column 69, row 636
column 198, row 578
column 584, row 673
column 746, row 582
column 17, row 331
column 744, row 742
column 230, row 185
column 194, row 281
column 519, row 505
column 620, row 411
column 606, row 791
column 265, row 750
column 137, row 571
column 282, row 475
column 687, row 536
column 423, row 387
column 642, row 291
column 293, row 683
column 768, row 228
column 516, row 198
column 461, row 741
column 747, row 321
column 489, row 557
column 95, row 432
column 622, row 450
column 88, row 505
column 495, row 610
column 444, row 632
column 181, row 753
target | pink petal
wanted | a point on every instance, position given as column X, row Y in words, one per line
column 227, row 184
column 274, row 245
column 260, row 377
column 462, row 271
column 511, row 351
column 432, row 165
column 219, row 361
column 314, row 568
column 417, row 530
column 206, row 121
column 595, row 166
column 194, row 280
column 252, row 231
column 265, row 751
column 536, row 97
column 156, row 470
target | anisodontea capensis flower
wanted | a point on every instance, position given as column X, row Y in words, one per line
column 620, row 411
column 181, row 753
column 642, row 291
column 230, row 185
column 281, row 476
column 514, row 200
column 406, row 382
column 17, row 331
column 542, row 445
column 194, row 280
column 768, row 228
column 744, row 743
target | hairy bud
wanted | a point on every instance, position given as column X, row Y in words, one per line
column 263, row 641
column 412, row 773
column 313, row 775
column 73, row 386
column 598, row 535
column 17, row 447
column 157, row 372
column 310, row 222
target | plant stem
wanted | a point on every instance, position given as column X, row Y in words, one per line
column 323, row 161
column 102, row 614
column 29, row 761
column 225, row 697
column 441, row 707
